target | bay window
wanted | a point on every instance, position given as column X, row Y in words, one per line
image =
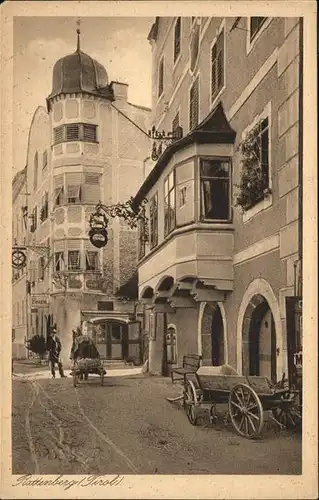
column 215, row 187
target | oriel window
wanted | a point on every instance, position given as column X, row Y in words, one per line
column 169, row 204
column 215, row 179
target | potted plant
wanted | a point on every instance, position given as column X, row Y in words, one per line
column 252, row 186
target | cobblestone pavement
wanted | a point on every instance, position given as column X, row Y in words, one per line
column 127, row 426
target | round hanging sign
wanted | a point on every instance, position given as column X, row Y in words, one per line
column 18, row 259
column 98, row 237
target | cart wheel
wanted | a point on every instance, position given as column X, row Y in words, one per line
column 190, row 402
column 246, row 411
column 74, row 378
column 288, row 414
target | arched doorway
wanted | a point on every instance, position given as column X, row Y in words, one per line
column 213, row 336
column 259, row 339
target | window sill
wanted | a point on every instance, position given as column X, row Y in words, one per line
column 260, row 206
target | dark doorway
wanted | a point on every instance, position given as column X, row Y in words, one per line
column 218, row 357
column 262, row 343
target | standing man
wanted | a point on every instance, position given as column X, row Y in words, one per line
column 54, row 347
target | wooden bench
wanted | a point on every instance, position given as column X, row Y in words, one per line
column 191, row 363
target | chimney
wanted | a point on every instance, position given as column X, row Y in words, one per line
column 119, row 91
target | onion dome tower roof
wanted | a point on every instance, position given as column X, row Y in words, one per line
column 78, row 72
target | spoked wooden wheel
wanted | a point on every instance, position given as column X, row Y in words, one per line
column 288, row 414
column 245, row 411
column 190, row 402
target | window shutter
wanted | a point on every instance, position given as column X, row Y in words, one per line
column 91, row 188
column 161, row 78
column 73, row 132
column 194, row 46
column 177, row 38
column 194, row 104
column 89, row 132
column 58, row 134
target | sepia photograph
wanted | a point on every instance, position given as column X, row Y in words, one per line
column 157, row 278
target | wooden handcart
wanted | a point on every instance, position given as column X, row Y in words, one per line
column 247, row 399
column 86, row 360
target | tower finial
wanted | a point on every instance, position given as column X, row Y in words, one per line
column 78, row 23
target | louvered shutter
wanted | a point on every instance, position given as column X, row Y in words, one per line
column 177, row 38
column 194, row 104
column 91, row 188
column 194, row 46
column 58, row 133
column 217, row 58
column 73, row 132
column 89, row 132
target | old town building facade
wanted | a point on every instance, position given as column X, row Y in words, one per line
column 85, row 146
column 220, row 275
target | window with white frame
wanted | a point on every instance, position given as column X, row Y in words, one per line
column 73, row 194
column 59, row 261
column 217, row 65
column 169, row 203
column 177, row 38
column 74, row 260
column 153, row 221
column 194, row 45
column 255, row 25
column 215, row 186
column 91, row 260
column 58, row 196
column 161, row 77
column 194, row 104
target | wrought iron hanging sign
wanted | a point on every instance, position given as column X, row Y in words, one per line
column 98, row 220
column 19, row 259
column 161, row 140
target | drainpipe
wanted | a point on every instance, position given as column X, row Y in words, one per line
column 300, row 153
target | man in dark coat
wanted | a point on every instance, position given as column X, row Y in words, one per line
column 54, row 347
